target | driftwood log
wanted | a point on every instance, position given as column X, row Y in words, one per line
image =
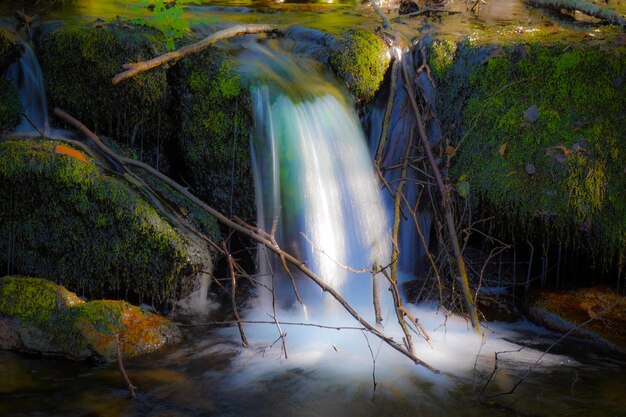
column 589, row 9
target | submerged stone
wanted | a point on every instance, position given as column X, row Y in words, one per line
column 602, row 311
column 38, row 316
column 66, row 219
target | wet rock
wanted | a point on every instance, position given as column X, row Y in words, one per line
column 572, row 87
column 46, row 318
column 10, row 106
column 72, row 223
column 531, row 114
column 78, row 63
column 213, row 140
column 603, row 311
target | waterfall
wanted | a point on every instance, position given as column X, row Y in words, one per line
column 314, row 177
column 28, row 79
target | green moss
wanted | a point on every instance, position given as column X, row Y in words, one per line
column 577, row 145
column 10, row 49
column 104, row 315
column 67, row 221
column 441, row 57
column 215, row 111
column 30, row 299
column 361, row 61
column 10, row 106
column 47, row 318
column 79, row 63
column 200, row 218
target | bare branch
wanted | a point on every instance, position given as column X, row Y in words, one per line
column 132, row 69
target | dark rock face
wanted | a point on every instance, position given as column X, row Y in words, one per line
column 10, row 49
column 67, row 220
column 213, row 140
column 603, row 311
column 37, row 316
column 79, row 63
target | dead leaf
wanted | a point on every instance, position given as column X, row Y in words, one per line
column 71, row 152
column 503, row 149
column 563, row 149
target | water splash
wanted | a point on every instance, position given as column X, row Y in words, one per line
column 27, row 77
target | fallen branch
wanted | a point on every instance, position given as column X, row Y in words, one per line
column 425, row 12
column 590, row 9
column 132, row 69
column 248, row 231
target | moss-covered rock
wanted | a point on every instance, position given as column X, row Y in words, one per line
column 10, row 49
column 10, row 106
column 601, row 310
column 65, row 219
column 541, row 131
column 79, row 62
column 361, row 60
column 39, row 316
column 215, row 113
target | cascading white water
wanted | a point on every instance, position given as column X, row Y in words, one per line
column 314, row 175
column 28, row 79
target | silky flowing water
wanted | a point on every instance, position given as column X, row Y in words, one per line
column 317, row 187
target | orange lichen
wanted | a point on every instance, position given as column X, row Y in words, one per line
column 71, row 152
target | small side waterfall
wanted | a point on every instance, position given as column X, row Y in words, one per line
column 314, row 176
column 28, row 79
column 412, row 260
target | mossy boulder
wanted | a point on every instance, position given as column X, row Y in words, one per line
column 215, row 112
column 79, row 62
column 65, row 219
column 10, row 49
column 540, row 126
column 361, row 60
column 10, row 106
column 602, row 311
column 38, row 316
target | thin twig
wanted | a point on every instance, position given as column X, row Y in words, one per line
column 233, row 298
column 120, row 364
